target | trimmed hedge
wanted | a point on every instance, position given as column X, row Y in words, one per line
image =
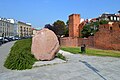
column 20, row 56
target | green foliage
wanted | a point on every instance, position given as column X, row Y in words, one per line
column 66, row 32
column 58, row 27
column 20, row 56
column 103, row 22
column 67, row 23
column 96, row 23
column 86, row 32
column 60, row 56
column 93, row 52
column 91, row 28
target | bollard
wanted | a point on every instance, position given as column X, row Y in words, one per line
column 83, row 50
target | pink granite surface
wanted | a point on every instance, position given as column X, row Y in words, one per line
column 45, row 45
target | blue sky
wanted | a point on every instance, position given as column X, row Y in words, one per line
column 41, row 12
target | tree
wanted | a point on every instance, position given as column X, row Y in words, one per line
column 103, row 22
column 49, row 26
column 59, row 27
column 91, row 28
column 86, row 32
column 67, row 23
column 119, row 11
column 66, row 33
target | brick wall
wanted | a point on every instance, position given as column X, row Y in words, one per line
column 69, row 41
column 107, row 38
column 74, row 41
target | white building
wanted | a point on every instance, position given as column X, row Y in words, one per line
column 6, row 28
column 12, row 27
column 24, row 29
column 15, row 22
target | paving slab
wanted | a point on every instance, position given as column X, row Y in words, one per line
column 45, row 63
column 78, row 67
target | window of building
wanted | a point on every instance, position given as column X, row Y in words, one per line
column 0, row 29
column 106, row 19
column 118, row 19
column 3, row 29
column 8, row 25
column 4, row 24
column 115, row 18
column 0, row 23
column 110, row 28
column 111, row 18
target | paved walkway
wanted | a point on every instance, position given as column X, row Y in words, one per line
column 4, row 51
column 78, row 67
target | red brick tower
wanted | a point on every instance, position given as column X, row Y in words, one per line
column 74, row 22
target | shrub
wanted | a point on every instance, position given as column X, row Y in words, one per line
column 60, row 56
column 20, row 56
column 103, row 22
column 91, row 28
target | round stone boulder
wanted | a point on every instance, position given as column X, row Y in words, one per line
column 45, row 45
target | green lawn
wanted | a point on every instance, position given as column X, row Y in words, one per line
column 91, row 51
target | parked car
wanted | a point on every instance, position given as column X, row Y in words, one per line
column 4, row 39
column 17, row 38
column 1, row 42
column 1, row 37
column 9, row 39
column 12, row 37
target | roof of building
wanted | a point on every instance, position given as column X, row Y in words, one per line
column 24, row 23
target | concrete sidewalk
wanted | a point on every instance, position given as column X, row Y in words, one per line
column 4, row 51
column 78, row 67
column 45, row 63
